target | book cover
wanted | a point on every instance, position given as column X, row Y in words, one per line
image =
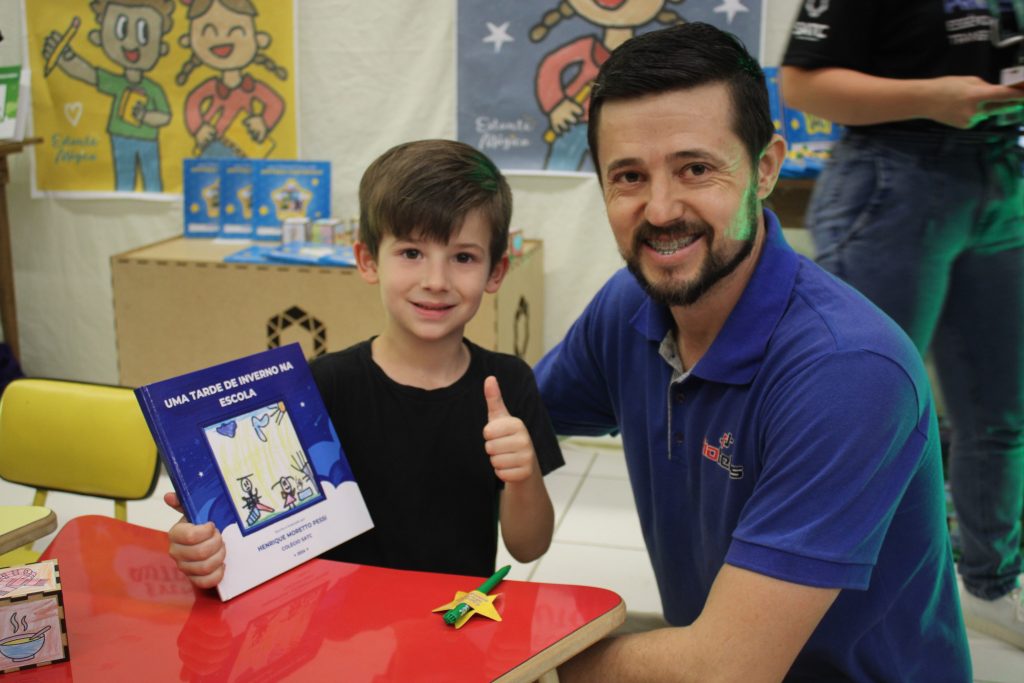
column 809, row 139
column 300, row 253
column 256, row 253
column 775, row 106
column 249, row 446
column 236, row 198
column 131, row 101
column 201, row 181
column 9, row 97
column 314, row 254
column 288, row 189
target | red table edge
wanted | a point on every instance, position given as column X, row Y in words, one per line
column 565, row 648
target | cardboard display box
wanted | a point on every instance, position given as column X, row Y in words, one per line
column 179, row 307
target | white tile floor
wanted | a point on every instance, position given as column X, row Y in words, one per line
column 597, row 539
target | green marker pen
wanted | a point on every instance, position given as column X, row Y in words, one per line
column 453, row 615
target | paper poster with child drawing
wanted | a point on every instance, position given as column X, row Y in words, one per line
column 525, row 68
column 124, row 90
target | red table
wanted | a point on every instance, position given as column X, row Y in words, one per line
column 132, row 616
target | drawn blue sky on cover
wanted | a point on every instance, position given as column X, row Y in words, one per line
column 509, row 86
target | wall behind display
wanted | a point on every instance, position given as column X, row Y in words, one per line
column 372, row 74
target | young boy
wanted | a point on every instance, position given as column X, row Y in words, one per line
column 444, row 438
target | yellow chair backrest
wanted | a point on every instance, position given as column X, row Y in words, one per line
column 73, row 436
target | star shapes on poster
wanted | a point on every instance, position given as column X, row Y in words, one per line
column 498, row 35
column 731, row 8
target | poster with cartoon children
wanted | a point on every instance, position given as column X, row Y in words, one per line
column 124, row 90
column 525, row 69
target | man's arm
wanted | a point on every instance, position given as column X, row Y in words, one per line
column 751, row 630
column 854, row 98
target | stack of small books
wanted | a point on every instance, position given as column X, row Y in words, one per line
column 306, row 253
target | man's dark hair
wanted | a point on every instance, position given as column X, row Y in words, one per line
column 679, row 58
column 425, row 189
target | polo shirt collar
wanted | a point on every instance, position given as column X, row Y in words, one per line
column 736, row 353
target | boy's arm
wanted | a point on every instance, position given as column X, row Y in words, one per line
column 526, row 515
column 197, row 550
column 70, row 62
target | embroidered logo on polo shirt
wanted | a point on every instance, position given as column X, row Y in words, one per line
column 718, row 454
column 815, row 8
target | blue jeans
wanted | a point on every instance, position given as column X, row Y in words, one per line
column 931, row 229
column 568, row 152
column 130, row 153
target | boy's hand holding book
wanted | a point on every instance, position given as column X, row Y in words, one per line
column 198, row 550
column 506, row 439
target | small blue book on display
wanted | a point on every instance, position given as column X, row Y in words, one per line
column 288, row 189
column 249, row 446
column 314, row 254
column 809, row 141
column 302, row 253
column 201, row 181
column 809, row 138
column 236, row 198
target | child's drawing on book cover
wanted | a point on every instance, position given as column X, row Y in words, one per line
column 263, row 465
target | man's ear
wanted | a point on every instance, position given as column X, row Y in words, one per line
column 95, row 37
column 498, row 273
column 365, row 262
column 769, row 166
column 185, row 41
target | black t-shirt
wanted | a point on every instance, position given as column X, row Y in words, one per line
column 901, row 39
column 418, row 457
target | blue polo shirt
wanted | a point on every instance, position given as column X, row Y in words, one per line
column 803, row 445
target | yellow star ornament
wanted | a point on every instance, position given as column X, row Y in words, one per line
column 477, row 602
column 465, row 605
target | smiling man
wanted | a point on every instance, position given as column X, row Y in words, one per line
column 779, row 430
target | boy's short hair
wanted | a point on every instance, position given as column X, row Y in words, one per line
column 426, row 188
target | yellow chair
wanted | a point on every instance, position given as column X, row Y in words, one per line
column 84, row 438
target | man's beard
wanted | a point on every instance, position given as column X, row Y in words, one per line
column 714, row 268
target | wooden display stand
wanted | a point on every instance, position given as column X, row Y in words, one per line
column 178, row 307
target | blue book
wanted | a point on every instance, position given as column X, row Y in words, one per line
column 775, row 106
column 809, row 139
column 257, row 253
column 314, row 254
column 288, row 189
column 249, row 446
column 236, row 198
column 201, row 189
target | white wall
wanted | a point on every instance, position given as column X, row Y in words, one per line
column 371, row 74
